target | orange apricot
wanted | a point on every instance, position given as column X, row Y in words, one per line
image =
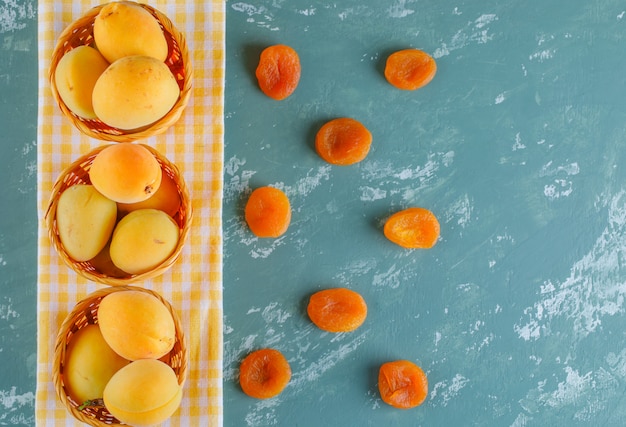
column 278, row 72
column 410, row 69
column 166, row 198
column 412, row 228
column 268, row 212
column 343, row 141
column 264, row 373
column 126, row 173
column 402, row 384
column 337, row 310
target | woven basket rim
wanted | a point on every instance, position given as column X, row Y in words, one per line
column 97, row 129
column 85, row 269
column 87, row 304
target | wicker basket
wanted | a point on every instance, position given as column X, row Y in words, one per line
column 86, row 313
column 80, row 33
column 78, row 173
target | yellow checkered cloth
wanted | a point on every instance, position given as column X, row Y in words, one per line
column 195, row 144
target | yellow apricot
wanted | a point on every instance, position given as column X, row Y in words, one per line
column 124, row 28
column 85, row 220
column 134, row 92
column 75, row 77
column 136, row 325
column 104, row 264
column 166, row 199
column 143, row 393
column 89, row 364
column 125, row 172
column 143, row 239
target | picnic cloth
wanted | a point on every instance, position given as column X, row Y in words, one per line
column 193, row 285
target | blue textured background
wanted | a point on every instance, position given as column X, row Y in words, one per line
column 516, row 314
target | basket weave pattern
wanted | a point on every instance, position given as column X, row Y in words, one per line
column 78, row 173
column 86, row 313
column 80, row 33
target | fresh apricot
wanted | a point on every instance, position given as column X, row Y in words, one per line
column 402, row 384
column 145, row 392
column 89, row 364
column 410, row 69
column 136, row 325
column 143, row 240
column 166, row 198
column 134, row 92
column 343, row 141
column 264, row 373
column 126, row 173
column 412, row 228
column 337, row 310
column 104, row 264
column 278, row 72
column 124, row 28
column 268, row 212
column 75, row 77
column 85, row 220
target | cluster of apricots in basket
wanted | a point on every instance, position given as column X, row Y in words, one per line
column 123, row 79
column 116, row 361
column 264, row 373
column 122, row 221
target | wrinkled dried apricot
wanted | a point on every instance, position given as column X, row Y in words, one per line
column 278, row 72
column 264, row 373
column 337, row 310
column 410, row 69
column 402, row 384
column 343, row 141
column 268, row 212
column 413, row 228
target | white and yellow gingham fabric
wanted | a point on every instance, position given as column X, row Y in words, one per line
column 195, row 144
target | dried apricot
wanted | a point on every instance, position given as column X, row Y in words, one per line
column 410, row 69
column 337, row 310
column 264, row 373
column 268, row 212
column 413, row 228
column 278, row 72
column 343, row 141
column 402, row 384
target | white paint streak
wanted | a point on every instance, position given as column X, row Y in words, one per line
column 559, row 187
column 542, row 55
column 569, row 169
column 585, row 394
column 7, row 312
column 460, row 211
column 474, row 32
column 594, row 289
column 383, row 171
column 388, row 279
column 518, row 145
column 307, row 184
column 485, row 19
column 370, row 194
column 328, row 360
column 236, row 180
column 11, row 403
column 263, row 413
column 13, row 15
column 306, row 12
column 256, row 15
column 274, row 314
column 399, row 10
column 444, row 391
